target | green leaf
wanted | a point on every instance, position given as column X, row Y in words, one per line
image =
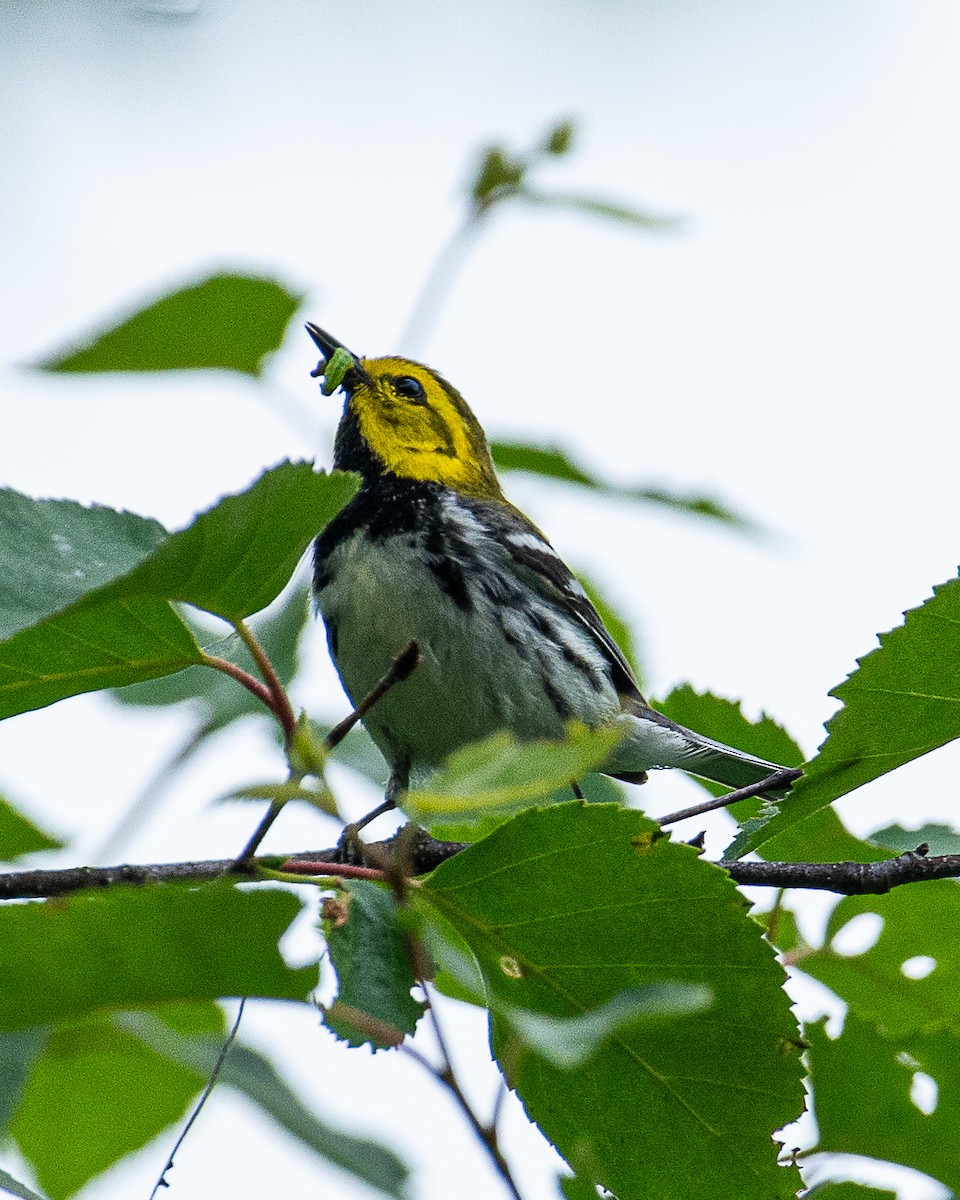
column 84, row 1107
column 574, row 1188
column 902, row 702
column 593, row 207
column 14, row 1187
column 555, row 463
column 569, row 1042
column 131, row 947
column 19, row 835
column 551, row 937
column 231, row 561
column 862, row 1083
column 236, row 557
column 52, row 552
column 919, row 922
column 256, row 1078
column 499, row 775
column 18, row 1052
column 224, row 322
column 369, row 952
column 940, row 839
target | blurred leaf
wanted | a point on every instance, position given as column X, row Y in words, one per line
column 96, row 1095
column 255, row 1077
column 231, row 561
column 496, row 171
column 18, row 1052
column 593, row 207
column 13, row 1187
column 500, row 774
column 568, row 1042
column 559, row 140
column 554, row 463
column 19, row 835
column 941, row 839
column 369, row 952
column 225, row 322
column 131, row 947
column 921, row 921
column 862, row 1097
column 901, row 703
column 52, row 552
column 550, row 937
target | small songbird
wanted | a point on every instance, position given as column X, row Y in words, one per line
column 430, row 550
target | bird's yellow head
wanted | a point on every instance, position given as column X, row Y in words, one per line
column 401, row 417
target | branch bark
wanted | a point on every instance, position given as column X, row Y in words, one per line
column 422, row 853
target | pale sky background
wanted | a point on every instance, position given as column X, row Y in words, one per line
column 793, row 351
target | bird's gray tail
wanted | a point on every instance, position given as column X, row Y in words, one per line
column 656, row 741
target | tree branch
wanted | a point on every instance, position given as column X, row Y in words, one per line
column 422, row 853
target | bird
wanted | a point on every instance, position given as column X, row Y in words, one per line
column 429, row 550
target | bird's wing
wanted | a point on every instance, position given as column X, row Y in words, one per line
column 532, row 553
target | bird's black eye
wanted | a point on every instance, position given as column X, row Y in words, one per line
column 410, row 389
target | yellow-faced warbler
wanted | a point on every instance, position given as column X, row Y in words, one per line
column 430, row 550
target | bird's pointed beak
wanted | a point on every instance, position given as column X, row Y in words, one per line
column 326, row 342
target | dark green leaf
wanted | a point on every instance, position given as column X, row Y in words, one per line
column 236, row 557
column 940, row 839
column 550, row 937
column 369, row 953
column 14, row 1187
column 862, row 1084
column 231, row 561
column 96, row 1095
column 225, row 322
column 256, row 1078
column 131, row 947
column 52, row 552
column 902, row 702
column 919, row 922
column 573, row 1188
column 554, row 463
column 19, row 835
column 18, row 1052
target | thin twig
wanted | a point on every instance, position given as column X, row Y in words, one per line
column 281, row 702
column 438, row 284
column 778, row 779
column 400, row 669
column 244, row 678
column 444, row 1074
column 205, row 1095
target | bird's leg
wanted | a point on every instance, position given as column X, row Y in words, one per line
column 350, row 846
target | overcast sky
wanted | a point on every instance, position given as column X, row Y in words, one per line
column 793, row 350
